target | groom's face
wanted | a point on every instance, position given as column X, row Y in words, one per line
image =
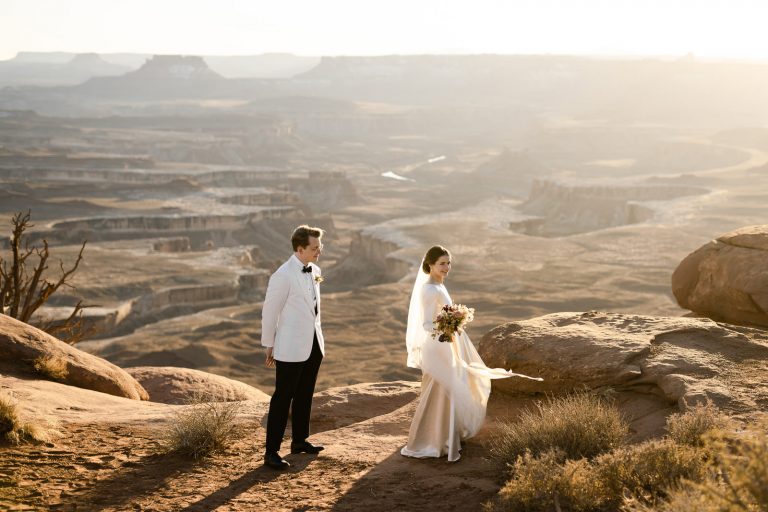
column 312, row 251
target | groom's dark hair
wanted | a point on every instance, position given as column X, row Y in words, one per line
column 433, row 254
column 301, row 234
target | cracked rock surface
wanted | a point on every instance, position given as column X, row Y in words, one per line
column 684, row 360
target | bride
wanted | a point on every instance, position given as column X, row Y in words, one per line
column 455, row 382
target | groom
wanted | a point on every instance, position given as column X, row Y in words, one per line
column 290, row 329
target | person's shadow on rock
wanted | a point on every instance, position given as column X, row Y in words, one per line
column 259, row 475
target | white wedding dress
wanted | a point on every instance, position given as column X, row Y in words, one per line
column 455, row 383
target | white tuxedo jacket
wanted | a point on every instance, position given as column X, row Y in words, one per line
column 288, row 320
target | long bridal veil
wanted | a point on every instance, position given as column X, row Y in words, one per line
column 455, row 383
column 415, row 335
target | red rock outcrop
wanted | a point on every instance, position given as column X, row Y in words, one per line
column 172, row 385
column 727, row 278
column 21, row 345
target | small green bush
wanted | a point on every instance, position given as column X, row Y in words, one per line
column 203, row 428
column 578, row 425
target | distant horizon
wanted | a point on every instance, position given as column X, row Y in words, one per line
column 707, row 29
column 664, row 57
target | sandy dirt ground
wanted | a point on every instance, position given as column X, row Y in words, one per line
column 119, row 466
column 108, row 454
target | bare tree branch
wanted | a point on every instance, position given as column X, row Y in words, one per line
column 41, row 267
column 47, row 289
column 72, row 329
column 5, row 286
column 21, row 294
column 20, row 222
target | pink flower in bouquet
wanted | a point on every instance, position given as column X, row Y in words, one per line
column 451, row 319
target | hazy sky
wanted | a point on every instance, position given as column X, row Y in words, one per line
column 707, row 28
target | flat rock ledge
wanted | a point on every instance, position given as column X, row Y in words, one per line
column 684, row 360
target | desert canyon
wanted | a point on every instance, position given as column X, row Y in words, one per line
column 606, row 219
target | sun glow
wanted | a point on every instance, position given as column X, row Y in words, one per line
column 706, row 28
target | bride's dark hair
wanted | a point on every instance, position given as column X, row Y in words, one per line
column 433, row 254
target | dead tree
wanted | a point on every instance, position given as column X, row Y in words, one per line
column 23, row 293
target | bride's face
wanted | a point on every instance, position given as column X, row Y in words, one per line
column 440, row 269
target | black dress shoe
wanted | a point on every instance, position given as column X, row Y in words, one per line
column 275, row 461
column 306, row 447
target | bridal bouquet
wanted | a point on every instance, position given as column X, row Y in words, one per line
column 451, row 319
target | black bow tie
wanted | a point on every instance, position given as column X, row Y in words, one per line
column 306, row 269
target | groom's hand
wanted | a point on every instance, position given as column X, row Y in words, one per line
column 270, row 361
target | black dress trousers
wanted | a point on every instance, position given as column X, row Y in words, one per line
column 294, row 387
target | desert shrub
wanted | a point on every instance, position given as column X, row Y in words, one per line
column 648, row 471
column 691, row 426
column 52, row 367
column 546, row 483
column 703, row 465
column 202, row 428
column 640, row 474
column 738, row 483
column 744, row 462
column 578, row 425
column 687, row 498
column 12, row 429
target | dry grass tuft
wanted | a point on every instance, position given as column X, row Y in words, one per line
column 546, row 483
column 52, row 367
column 704, row 464
column 203, row 428
column 12, row 429
column 692, row 426
column 641, row 474
column 576, row 425
column 647, row 472
column 738, row 482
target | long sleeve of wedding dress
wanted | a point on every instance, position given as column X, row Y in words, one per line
column 455, row 388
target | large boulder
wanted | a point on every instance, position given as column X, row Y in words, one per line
column 173, row 385
column 685, row 360
column 22, row 345
column 727, row 279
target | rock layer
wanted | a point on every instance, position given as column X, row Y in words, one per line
column 569, row 208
